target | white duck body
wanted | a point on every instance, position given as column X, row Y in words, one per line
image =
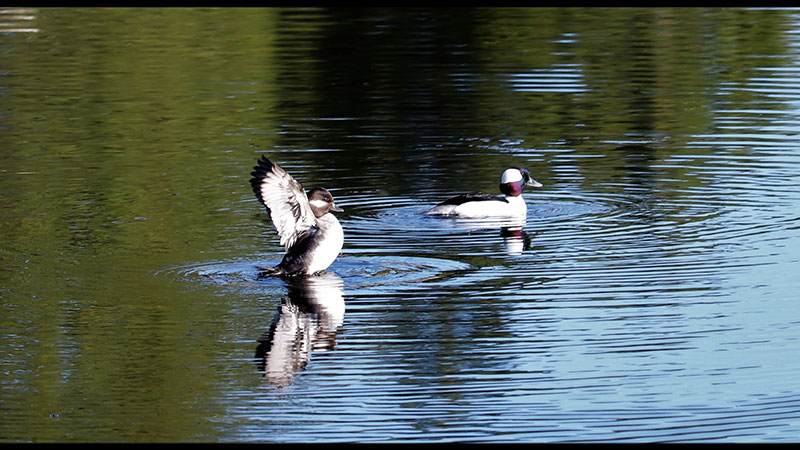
column 478, row 206
column 328, row 248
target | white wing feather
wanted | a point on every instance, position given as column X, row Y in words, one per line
column 285, row 199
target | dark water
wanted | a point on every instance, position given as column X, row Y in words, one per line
column 651, row 296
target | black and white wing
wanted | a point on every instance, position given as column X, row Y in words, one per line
column 285, row 200
column 473, row 197
column 448, row 207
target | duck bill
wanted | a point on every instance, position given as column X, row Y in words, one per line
column 533, row 183
column 335, row 208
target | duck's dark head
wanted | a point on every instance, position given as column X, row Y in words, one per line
column 321, row 202
column 515, row 179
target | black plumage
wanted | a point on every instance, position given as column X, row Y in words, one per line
column 473, row 197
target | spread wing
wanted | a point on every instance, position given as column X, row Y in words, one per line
column 285, row 200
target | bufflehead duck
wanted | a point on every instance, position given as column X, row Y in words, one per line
column 311, row 235
column 479, row 204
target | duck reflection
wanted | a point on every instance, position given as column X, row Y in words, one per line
column 306, row 322
column 515, row 239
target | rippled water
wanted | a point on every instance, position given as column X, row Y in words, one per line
column 649, row 296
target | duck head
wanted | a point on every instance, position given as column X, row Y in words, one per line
column 514, row 179
column 321, row 202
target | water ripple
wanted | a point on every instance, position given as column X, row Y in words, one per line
column 363, row 273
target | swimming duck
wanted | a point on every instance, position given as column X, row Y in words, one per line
column 311, row 235
column 480, row 205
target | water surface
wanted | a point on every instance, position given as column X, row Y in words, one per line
column 650, row 295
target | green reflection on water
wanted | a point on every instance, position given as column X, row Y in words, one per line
column 127, row 136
